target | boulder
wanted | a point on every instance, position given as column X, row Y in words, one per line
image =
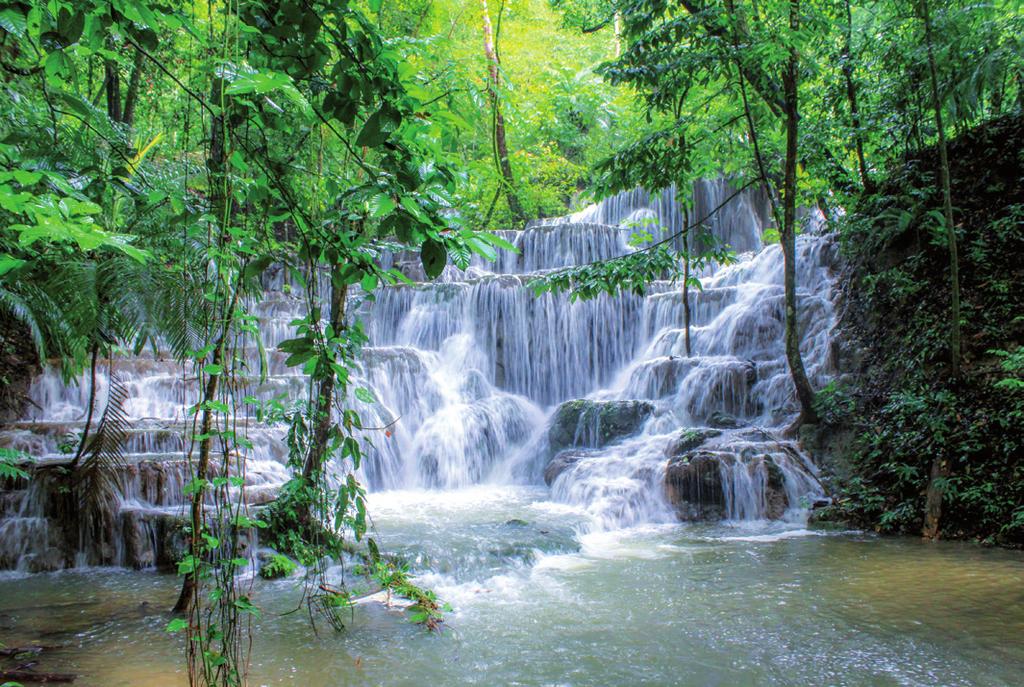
column 688, row 439
column 723, row 420
column 593, row 424
column 693, row 485
column 172, row 541
column 776, row 500
column 562, row 461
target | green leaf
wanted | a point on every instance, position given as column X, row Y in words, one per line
column 177, row 625
column 26, row 178
column 372, row 133
column 365, row 395
column 8, row 263
column 433, row 255
column 381, row 204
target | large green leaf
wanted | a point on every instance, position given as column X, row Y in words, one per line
column 433, row 255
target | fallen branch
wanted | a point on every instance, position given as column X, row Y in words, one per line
column 32, row 676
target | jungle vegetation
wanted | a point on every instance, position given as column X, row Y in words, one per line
column 159, row 157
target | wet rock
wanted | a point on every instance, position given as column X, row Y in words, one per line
column 562, row 461
column 140, row 544
column 829, row 517
column 47, row 560
column 516, row 522
column 173, row 543
column 776, row 501
column 723, row 420
column 689, row 439
column 593, row 424
column 693, row 485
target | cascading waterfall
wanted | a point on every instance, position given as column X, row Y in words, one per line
column 480, row 380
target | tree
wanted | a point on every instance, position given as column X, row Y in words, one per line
column 497, row 120
column 940, row 469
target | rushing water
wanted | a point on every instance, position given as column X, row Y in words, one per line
column 491, row 392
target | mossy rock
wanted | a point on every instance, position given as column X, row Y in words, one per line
column 587, row 423
column 688, row 439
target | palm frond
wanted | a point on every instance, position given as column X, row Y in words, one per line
column 96, row 478
column 17, row 307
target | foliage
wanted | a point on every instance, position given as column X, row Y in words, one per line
column 426, row 610
column 906, row 411
column 11, row 462
column 834, row 402
column 277, row 566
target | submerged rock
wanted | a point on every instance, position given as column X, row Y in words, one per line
column 593, row 424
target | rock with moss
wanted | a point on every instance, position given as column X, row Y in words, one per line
column 585, row 423
column 723, row 420
column 693, row 485
column 688, row 439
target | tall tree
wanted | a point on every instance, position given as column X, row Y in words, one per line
column 940, row 468
column 500, row 146
column 791, row 108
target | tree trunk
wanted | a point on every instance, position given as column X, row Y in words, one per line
column 196, row 519
column 132, row 98
column 498, row 121
column 851, row 97
column 686, row 280
column 112, row 82
column 790, row 83
column 219, row 204
column 325, row 392
column 940, row 469
column 618, row 33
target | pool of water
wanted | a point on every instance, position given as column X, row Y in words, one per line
column 538, row 601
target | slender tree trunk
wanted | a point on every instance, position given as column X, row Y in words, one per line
column 112, row 82
column 196, row 518
column 219, row 204
column 790, row 84
column 325, row 392
column 132, row 98
column 851, row 97
column 686, row 280
column 618, row 33
column 498, row 121
column 940, row 468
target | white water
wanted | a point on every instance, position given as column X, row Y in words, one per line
column 468, row 371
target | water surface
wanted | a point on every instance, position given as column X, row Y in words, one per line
column 542, row 604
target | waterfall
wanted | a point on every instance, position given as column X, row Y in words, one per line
column 477, row 380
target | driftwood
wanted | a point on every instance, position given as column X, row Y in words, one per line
column 28, row 649
column 33, row 676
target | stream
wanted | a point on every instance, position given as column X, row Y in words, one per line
column 750, row 603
